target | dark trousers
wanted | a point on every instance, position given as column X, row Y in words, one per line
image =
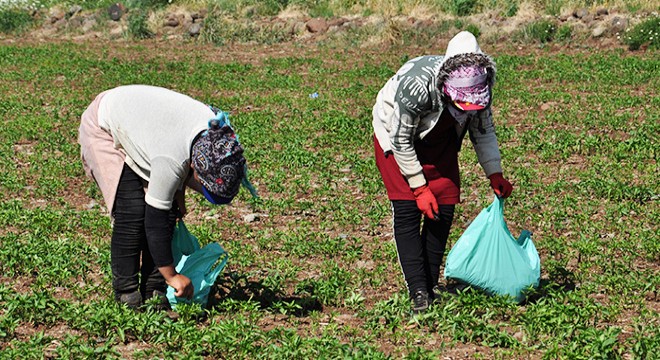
column 129, row 241
column 420, row 253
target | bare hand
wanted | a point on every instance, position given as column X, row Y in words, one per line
column 182, row 285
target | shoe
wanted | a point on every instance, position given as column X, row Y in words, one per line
column 420, row 301
column 132, row 299
column 436, row 294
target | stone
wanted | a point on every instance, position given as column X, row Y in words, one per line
column 198, row 15
column 172, row 21
column 88, row 24
column 618, row 24
column 195, row 29
column 73, row 10
column 249, row 218
column 580, row 13
column 337, row 22
column 299, row 27
column 599, row 30
column 602, row 11
column 55, row 14
column 317, row 25
column 116, row 11
column 76, row 22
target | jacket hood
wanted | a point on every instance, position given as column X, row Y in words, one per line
column 463, row 50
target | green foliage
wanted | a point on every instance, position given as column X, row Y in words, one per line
column 221, row 28
column 462, row 7
column 14, row 20
column 317, row 275
column 510, row 9
column 249, row 8
column 553, row 7
column 474, row 29
column 564, row 33
column 541, row 31
column 645, row 33
column 147, row 4
column 138, row 27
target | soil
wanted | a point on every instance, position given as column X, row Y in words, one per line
column 120, row 48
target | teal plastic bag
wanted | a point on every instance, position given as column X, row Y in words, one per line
column 488, row 257
column 201, row 265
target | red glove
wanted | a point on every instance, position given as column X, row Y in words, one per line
column 426, row 201
column 502, row 186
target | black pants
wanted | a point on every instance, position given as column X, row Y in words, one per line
column 420, row 254
column 129, row 241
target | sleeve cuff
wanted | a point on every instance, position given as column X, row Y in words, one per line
column 156, row 203
column 492, row 168
column 416, row 181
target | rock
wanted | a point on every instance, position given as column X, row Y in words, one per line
column 60, row 24
column 599, row 30
column 317, row 25
column 73, row 10
column 195, row 29
column 76, row 22
column 249, row 218
column 172, row 21
column 618, row 24
column 565, row 17
column 55, row 14
column 88, row 24
column 602, row 11
column 337, row 22
column 198, row 15
column 116, row 11
column 580, row 13
column 92, row 204
column 299, row 27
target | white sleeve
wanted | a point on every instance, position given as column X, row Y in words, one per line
column 165, row 179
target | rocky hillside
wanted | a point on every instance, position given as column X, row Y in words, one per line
column 603, row 25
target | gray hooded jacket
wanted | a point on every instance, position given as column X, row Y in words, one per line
column 409, row 106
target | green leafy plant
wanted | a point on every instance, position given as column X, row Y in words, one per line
column 14, row 20
column 221, row 28
column 564, row 33
column 645, row 33
column 541, row 31
column 510, row 9
column 138, row 27
column 317, row 274
column 462, row 7
column 474, row 29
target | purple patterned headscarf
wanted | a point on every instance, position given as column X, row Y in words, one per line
column 468, row 84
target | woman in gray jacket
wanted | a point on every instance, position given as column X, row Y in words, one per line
column 420, row 118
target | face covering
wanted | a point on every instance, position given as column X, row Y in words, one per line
column 460, row 116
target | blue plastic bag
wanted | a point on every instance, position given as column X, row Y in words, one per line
column 199, row 264
column 488, row 257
